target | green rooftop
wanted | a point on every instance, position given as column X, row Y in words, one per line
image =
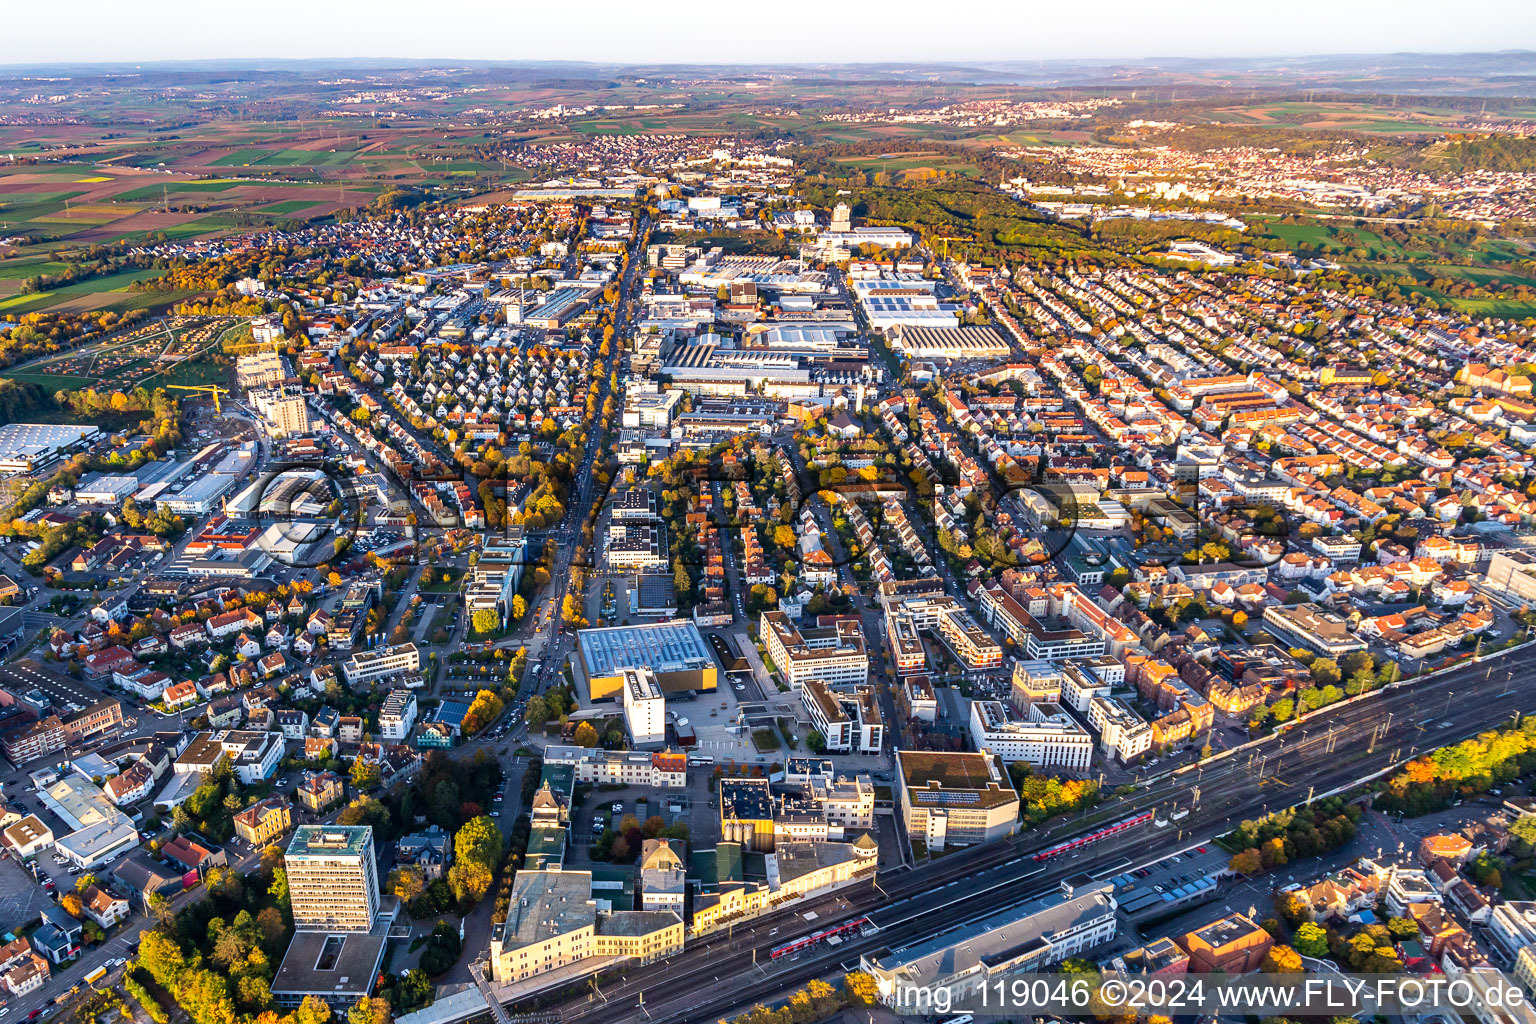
column 330, row 840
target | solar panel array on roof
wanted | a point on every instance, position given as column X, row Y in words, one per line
column 674, row 646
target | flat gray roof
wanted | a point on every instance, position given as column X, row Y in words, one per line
column 674, row 646
column 330, row 966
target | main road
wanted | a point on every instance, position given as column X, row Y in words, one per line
column 1325, row 752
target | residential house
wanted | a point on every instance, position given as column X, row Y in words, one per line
column 320, row 791
column 103, row 907
column 264, row 821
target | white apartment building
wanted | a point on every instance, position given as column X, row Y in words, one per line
column 1122, row 732
column 333, row 879
column 645, row 709
column 1513, row 925
column 848, row 719
column 974, row 646
column 397, row 715
column 666, row 769
column 283, row 415
column 381, row 663
column 833, row 655
column 1079, row 687
column 1046, row 737
column 849, row 803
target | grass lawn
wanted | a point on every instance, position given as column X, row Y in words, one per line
column 765, row 740
column 440, row 586
column 193, row 371
column 52, row 383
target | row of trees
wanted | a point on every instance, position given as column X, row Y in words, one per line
column 1430, row 782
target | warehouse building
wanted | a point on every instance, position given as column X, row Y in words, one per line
column 674, row 650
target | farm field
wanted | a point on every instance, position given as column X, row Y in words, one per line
column 910, row 164
column 111, row 292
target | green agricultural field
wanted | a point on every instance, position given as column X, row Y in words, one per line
column 94, row 286
column 15, row 200
column 149, row 193
column 242, row 157
column 20, row 269
column 307, row 158
column 288, row 206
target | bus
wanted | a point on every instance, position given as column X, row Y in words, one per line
column 96, row 975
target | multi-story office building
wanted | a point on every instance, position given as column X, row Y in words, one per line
column 1122, row 732
column 1308, row 626
column 1035, row 681
column 1230, row 945
column 1513, row 572
column 397, row 715
column 1525, row 969
column 492, row 587
column 905, row 644
column 636, row 545
column 972, row 644
column 339, row 929
column 253, row 754
column 1046, row 736
column 333, row 879
column 847, row 718
column 553, row 923
column 849, row 803
column 59, row 711
column 1512, row 925
column 381, row 663
column 666, row 769
column 645, row 709
column 951, row 799
column 834, row 654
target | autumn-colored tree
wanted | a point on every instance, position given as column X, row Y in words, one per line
column 585, row 735
column 312, row 1011
column 407, row 883
column 72, row 905
column 483, row 710
column 1247, row 862
column 860, row 988
column 370, row 1010
column 365, row 774
column 1311, row 939
column 1273, row 854
column 1282, row 960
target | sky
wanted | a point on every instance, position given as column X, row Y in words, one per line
column 853, row 31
